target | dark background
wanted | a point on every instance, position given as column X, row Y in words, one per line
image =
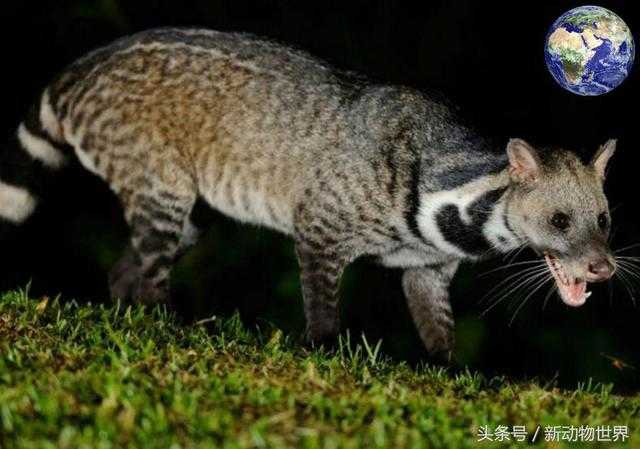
column 486, row 56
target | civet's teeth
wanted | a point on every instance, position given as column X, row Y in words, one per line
column 587, row 294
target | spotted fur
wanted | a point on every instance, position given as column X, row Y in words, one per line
column 274, row 137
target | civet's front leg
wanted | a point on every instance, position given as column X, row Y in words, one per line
column 427, row 293
column 320, row 273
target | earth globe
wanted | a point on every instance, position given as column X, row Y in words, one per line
column 589, row 50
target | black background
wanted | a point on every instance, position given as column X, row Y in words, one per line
column 486, row 56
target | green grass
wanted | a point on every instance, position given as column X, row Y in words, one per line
column 99, row 377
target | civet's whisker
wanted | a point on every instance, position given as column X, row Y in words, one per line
column 513, row 287
column 511, row 265
column 539, row 285
column 521, row 273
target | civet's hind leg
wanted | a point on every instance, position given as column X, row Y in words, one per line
column 160, row 232
column 124, row 275
column 427, row 293
column 127, row 272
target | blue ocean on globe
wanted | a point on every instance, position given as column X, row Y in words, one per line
column 589, row 50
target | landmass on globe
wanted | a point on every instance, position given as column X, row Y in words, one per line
column 589, row 50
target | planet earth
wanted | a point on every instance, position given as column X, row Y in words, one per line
column 589, row 50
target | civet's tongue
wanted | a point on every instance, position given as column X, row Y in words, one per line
column 576, row 293
column 572, row 291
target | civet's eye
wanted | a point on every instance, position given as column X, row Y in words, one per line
column 560, row 221
column 603, row 221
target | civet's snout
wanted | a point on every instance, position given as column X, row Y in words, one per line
column 600, row 269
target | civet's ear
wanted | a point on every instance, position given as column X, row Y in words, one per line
column 524, row 162
column 602, row 156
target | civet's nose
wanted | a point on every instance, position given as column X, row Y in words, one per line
column 600, row 270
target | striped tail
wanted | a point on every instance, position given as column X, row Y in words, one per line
column 28, row 162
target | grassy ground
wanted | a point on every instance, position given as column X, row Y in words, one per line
column 98, row 377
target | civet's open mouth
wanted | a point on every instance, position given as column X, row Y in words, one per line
column 573, row 291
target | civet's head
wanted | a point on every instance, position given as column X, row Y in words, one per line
column 557, row 205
